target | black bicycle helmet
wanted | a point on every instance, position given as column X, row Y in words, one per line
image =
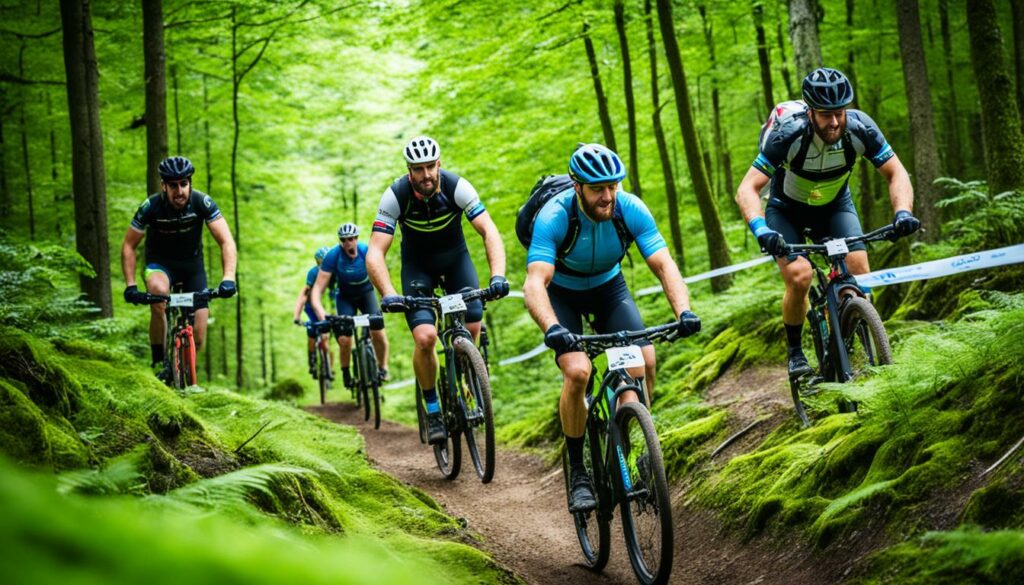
column 176, row 167
column 827, row 89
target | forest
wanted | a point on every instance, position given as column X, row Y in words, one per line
column 295, row 114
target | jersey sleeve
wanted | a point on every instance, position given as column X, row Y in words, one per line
column 876, row 148
column 143, row 215
column 641, row 224
column 388, row 213
column 330, row 260
column 549, row 229
column 311, row 276
column 208, row 209
column 468, row 200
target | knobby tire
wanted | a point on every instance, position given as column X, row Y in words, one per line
column 593, row 528
column 474, row 389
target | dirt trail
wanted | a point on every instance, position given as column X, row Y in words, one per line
column 523, row 523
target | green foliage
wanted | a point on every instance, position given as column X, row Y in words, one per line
column 37, row 288
column 951, row 558
column 980, row 220
column 287, row 389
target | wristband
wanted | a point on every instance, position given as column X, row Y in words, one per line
column 758, row 226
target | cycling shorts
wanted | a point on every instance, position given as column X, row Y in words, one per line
column 422, row 276
column 790, row 218
column 365, row 303
column 188, row 276
column 609, row 307
column 311, row 317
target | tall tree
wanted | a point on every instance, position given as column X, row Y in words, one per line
column 671, row 193
column 156, row 90
column 762, row 59
column 718, row 249
column 803, row 33
column 627, row 81
column 1000, row 121
column 602, row 101
column 919, row 104
column 1017, row 10
column 25, row 158
column 724, row 158
column 5, row 194
column 954, row 162
column 864, row 172
column 784, row 62
column 88, row 175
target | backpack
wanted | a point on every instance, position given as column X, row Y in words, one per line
column 547, row 187
column 789, row 109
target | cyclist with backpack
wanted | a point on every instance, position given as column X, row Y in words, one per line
column 304, row 303
column 577, row 228
column 807, row 153
column 346, row 265
column 427, row 203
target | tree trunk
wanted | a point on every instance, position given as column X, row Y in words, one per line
column 1000, row 122
column 954, row 162
column 602, row 102
column 716, row 110
column 54, row 164
column 156, row 90
column 919, row 106
column 235, row 86
column 762, row 59
column 627, row 74
column 864, row 170
column 177, row 111
column 671, row 192
column 206, row 138
column 784, row 62
column 1017, row 9
column 224, row 350
column 718, row 250
column 25, row 158
column 803, row 33
column 263, row 345
column 5, row 194
column 89, row 178
column 273, row 358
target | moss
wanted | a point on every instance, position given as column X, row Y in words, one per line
column 680, row 445
column 287, row 389
column 22, row 428
column 951, row 558
column 49, row 385
column 999, row 505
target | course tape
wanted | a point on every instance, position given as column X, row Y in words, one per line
column 922, row 271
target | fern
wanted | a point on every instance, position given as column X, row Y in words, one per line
column 233, row 489
column 979, row 220
column 120, row 476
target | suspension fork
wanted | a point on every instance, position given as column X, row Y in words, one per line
column 842, row 360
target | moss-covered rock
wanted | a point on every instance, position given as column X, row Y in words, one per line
column 287, row 389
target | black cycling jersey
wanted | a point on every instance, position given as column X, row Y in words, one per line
column 172, row 234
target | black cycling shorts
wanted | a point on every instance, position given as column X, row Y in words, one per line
column 188, row 276
column 609, row 306
column 420, row 276
column 366, row 303
column 790, row 218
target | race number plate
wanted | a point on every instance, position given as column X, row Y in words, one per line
column 361, row 320
column 836, row 247
column 452, row 304
column 620, row 358
column 182, row 300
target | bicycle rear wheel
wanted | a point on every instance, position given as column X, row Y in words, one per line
column 474, row 390
column 322, row 372
column 645, row 507
column 178, row 369
column 369, row 372
column 449, row 453
column 867, row 344
column 593, row 528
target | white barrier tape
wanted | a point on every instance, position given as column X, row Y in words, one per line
column 944, row 267
column 710, row 274
column 524, row 356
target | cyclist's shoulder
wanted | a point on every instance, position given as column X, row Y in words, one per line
column 629, row 205
column 556, row 209
column 312, row 273
column 203, row 203
column 858, row 122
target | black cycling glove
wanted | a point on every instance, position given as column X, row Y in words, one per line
column 559, row 338
column 499, row 286
column 133, row 295
column 689, row 324
column 227, row 289
column 904, row 223
column 393, row 304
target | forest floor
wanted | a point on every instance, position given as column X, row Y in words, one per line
column 520, row 517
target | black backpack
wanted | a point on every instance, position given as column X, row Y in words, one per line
column 547, row 187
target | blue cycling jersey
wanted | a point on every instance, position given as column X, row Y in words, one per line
column 350, row 273
column 332, row 287
column 598, row 248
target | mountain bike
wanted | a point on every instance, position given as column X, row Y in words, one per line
column 180, row 311
column 846, row 330
column 324, row 375
column 624, row 461
column 463, row 387
column 366, row 384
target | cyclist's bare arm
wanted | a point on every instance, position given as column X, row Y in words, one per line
column 300, row 302
column 748, row 196
column 484, row 226
column 535, row 289
column 901, row 192
column 664, row 267
column 129, row 256
column 316, row 295
column 376, row 267
column 228, row 252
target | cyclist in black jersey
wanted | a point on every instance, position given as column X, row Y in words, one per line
column 427, row 203
column 172, row 223
column 807, row 152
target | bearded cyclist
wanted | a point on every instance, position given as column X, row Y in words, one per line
column 346, row 263
column 304, row 303
column 561, row 287
column 807, row 153
column 427, row 203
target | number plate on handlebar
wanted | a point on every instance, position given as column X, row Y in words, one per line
column 452, row 304
column 361, row 320
column 182, row 300
column 620, row 358
column 836, row 247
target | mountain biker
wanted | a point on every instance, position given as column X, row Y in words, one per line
column 427, row 203
column 172, row 223
column 807, row 152
column 588, row 281
column 303, row 303
column 346, row 263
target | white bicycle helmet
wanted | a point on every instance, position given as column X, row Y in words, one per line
column 422, row 149
column 348, row 230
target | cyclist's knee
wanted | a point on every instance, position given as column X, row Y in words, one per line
column 576, row 371
column 425, row 337
column 798, row 274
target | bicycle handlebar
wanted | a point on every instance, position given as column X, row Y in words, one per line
column 412, row 302
column 343, row 320
column 886, row 232
column 593, row 345
column 203, row 295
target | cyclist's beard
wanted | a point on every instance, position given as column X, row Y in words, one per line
column 426, row 187
column 828, row 134
column 596, row 211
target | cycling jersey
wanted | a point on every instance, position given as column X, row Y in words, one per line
column 802, row 167
column 608, row 307
column 594, row 258
column 429, row 224
column 172, row 234
column 332, row 289
column 350, row 273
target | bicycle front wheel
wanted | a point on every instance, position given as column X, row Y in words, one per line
column 646, row 511
column 593, row 528
column 323, row 373
column 474, row 390
column 867, row 344
column 372, row 382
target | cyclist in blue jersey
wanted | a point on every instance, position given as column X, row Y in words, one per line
column 807, row 153
column 561, row 287
column 346, row 264
column 172, row 222
column 304, row 304
column 428, row 202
